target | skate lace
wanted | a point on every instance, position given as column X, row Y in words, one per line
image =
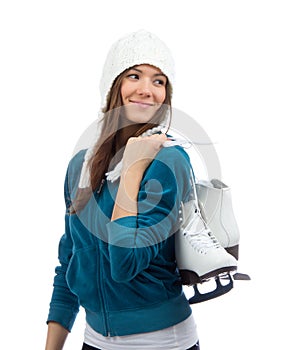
column 202, row 241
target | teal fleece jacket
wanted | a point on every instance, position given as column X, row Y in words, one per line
column 123, row 272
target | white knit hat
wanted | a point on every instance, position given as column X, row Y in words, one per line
column 140, row 47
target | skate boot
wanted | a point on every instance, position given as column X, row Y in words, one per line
column 214, row 198
column 199, row 254
column 216, row 207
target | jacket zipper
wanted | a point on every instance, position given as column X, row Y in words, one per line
column 102, row 294
column 104, row 312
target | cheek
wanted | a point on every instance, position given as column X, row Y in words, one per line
column 124, row 91
column 161, row 95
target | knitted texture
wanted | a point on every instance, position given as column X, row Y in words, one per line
column 140, row 47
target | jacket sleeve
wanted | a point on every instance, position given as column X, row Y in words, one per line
column 64, row 304
column 134, row 241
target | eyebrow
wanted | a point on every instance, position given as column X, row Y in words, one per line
column 155, row 75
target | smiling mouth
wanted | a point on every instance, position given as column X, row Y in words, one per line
column 142, row 104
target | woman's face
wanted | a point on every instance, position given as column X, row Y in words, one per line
column 143, row 90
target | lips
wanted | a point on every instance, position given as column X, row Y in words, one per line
column 142, row 104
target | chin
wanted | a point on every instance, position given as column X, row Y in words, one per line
column 139, row 118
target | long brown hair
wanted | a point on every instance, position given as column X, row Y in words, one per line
column 105, row 150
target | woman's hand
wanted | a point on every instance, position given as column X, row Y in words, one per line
column 140, row 152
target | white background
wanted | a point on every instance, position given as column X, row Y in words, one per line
column 233, row 63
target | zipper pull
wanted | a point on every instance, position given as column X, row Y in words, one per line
column 100, row 186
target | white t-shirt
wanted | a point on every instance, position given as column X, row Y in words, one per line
column 178, row 337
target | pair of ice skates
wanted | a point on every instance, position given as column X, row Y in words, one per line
column 207, row 243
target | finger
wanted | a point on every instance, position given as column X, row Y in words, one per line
column 163, row 137
column 132, row 140
column 158, row 136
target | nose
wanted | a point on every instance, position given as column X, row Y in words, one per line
column 144, row 88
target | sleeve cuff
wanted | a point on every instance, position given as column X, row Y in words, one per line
column 122, row 232
column 66, row 317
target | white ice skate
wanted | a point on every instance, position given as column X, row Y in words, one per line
column 216, row 208
column 214, row 198
column 207, row 243
column 199, row 254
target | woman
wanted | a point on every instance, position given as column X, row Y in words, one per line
column 123, row 197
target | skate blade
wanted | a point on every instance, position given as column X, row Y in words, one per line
column 219, row 291
column 190, row 278
column 241, row 277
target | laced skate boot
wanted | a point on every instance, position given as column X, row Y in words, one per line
column 199, row 254
column 214, row 199
column 216, row 207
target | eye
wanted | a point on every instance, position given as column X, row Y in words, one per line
column 159, row 82
column 133, row 76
